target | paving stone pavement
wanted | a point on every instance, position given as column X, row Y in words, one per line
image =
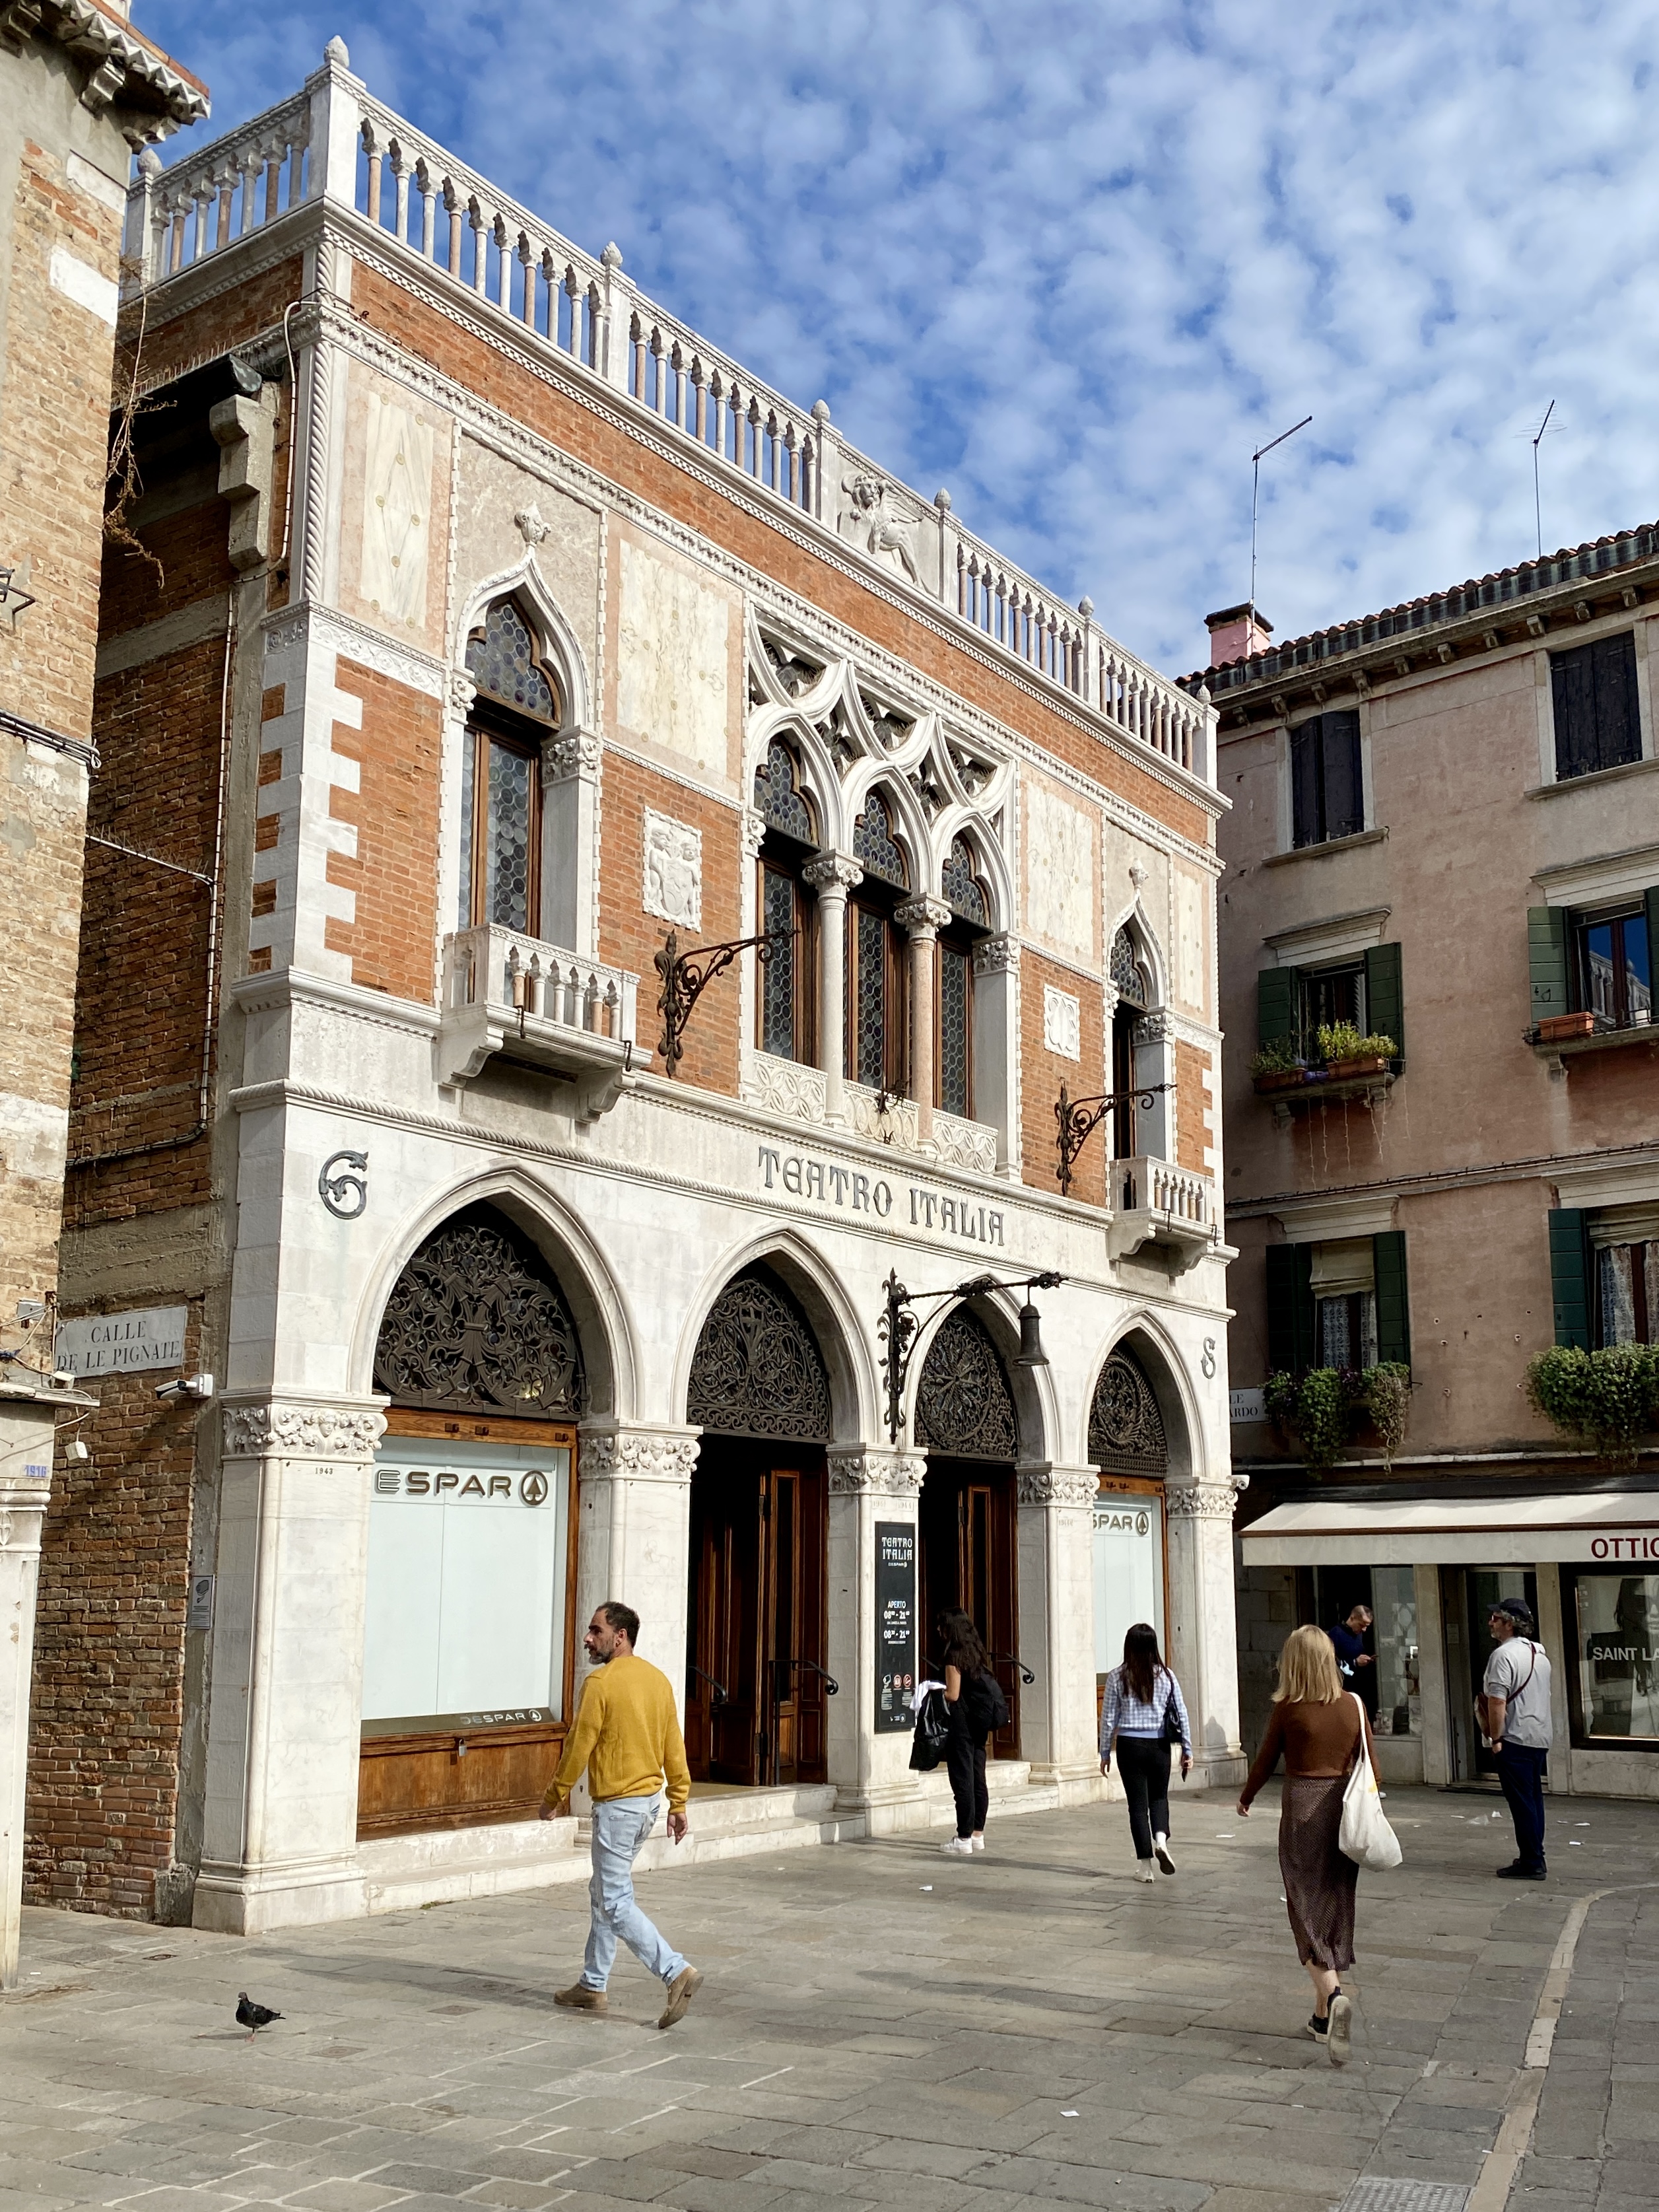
column 880, row 2025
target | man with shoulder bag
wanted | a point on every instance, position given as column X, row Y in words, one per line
column 1513, row 1710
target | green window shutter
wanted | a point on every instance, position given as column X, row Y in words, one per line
column 1394, row 1324
column 1546, row 956
column 1570, row 1276
column 1275, row 1007
column 1385, row 1008
column 1289, row 1308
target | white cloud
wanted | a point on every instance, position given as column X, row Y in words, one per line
column 1074, row 262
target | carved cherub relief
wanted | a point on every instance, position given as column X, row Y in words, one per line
column 870, row 522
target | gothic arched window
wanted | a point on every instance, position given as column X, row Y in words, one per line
column 971, row 913
column 516, row 706
column 877, row 996
column 1132, row 979
column 786, row 997
column 1126, row 1429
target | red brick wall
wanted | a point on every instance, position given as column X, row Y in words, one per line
column 395, row 811
column 107, row 1705
column 1194, row 1128
column 1042, row 1071
column 629, row 937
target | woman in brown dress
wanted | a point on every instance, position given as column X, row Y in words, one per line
column 1319, row 1729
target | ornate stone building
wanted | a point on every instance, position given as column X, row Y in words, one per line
column 669, row 878
column 80, row 88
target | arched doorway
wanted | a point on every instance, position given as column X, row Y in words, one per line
column 1128, row 1444
column 755, row 1676
column 967, row 1425
column 468, row 1645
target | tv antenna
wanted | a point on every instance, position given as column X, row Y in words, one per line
column 1256, row 486
column 1537, row 506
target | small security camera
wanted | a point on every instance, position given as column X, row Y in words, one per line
column 186, row 1386
column 30, row 1310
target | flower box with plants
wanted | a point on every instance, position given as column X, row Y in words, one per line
column 1279, row 1067
column 1561, row 1029
column 1321, row 1413
column 1608, row 1400
column 1348, row 1055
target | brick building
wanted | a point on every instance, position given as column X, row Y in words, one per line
column 517, row 656
column 79, row 90
column 1444, row 836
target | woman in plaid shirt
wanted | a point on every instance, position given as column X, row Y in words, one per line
column 1142, row 1696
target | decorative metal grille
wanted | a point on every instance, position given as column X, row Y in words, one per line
column 512, row 812
column 962, row 892
column 874, row 846
column 500, row 659
column 964, row 1407
column 476, row 1324
column 757, row 1370
column 778, row 796
column 953, row 1029
column 1129, row 977
column 777, row 974
column 869, row 1012
column 1126, row 1429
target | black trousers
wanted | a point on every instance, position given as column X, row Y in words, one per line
column 1521, row 1772
column 965, row 1762
column 1143, row 1762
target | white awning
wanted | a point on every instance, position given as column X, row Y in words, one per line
column 1600, row 1527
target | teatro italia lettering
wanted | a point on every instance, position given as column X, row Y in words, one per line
column 948, row 1213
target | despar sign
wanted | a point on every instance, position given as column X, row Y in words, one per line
column 465, row 1486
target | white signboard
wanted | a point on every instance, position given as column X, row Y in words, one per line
column 112, row 1344
column 1247, row 1405
column 1128, row 1571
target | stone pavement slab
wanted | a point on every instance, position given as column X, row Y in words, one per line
column 880, row 2026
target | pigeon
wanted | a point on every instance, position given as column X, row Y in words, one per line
column 253, row 2016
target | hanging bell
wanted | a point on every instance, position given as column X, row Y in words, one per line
column 1032, row 1353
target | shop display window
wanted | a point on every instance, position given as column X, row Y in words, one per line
column 1614, row 1617
column 1394, row 1604
column 1128, row 1572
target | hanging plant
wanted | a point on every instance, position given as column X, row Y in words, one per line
column 1387, row 1390
column 1609, row 1399
column 1319, row 1411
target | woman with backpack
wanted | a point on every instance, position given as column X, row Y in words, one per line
column 1146, row 1713
column 1322, row 1731
column 977, row 1708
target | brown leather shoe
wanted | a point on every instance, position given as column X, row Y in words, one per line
column 581, row 1998
column 681, row 1990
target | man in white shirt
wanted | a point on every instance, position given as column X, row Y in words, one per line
column 1514, row 1711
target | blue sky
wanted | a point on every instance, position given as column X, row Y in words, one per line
column 1074, row 262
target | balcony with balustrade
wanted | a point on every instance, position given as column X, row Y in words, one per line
column 1170, row 1209
column 398, row 199
column 541, row 1006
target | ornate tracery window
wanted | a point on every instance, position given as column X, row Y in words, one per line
column 757, row 1370
column 1126, row 1429
column 516, row 705
column 964, row 1407
column 1132, row 980
column 971, row 913
column 786, row 998
column 877, row 996
column 477, row 1323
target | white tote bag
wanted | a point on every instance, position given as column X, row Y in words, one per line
column 1366, row 1835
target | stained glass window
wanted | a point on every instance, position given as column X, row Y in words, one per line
column 777, row 973
column 469, row 761
column 870, row 1002
column 1129, row 974
column 507, row 860
column 962, row 893
column 778, row 798
column 501, row 661
column 873, row 844
column 953, row 1001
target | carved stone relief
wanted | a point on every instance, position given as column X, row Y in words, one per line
column 1062, row 1031
column 673, row 871
column 869, row 517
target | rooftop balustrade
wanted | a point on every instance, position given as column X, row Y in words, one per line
column 335, row 142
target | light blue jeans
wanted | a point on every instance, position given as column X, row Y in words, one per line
column 621, row 1825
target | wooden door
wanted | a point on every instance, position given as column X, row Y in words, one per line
column 969, row 1560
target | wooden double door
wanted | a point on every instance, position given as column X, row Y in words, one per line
column 756, row 1682
column 968, row 1561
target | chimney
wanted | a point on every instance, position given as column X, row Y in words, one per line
column 1237, row 632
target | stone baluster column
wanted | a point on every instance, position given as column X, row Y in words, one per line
column 923, row 918
column 832, row 875
column 570, row 860
column 1202, row 1640
column 633, row 1541
column 1056, row 1610
column 996, row 1045
column 869, row 1484
column 279, row 1840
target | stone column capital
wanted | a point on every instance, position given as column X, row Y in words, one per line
column 832, row 875
column 620, row 1452
column 1201, row 1501
column 753, row 832
column 996, row 955
column 874, row 1470
column 293, row 1426
column 922, row 917
column 575, row 753
column 1057, row 1485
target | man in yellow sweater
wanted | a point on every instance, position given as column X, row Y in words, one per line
column 627, row 1736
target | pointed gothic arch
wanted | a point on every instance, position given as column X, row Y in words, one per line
column 758, row 1369
column 1126, row 1423
column 964, row 1403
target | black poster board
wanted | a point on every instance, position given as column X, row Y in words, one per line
column 895, row 1626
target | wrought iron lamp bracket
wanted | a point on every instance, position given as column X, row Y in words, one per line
column 900, row 1325
column 1079, row 1119
column 686, row 975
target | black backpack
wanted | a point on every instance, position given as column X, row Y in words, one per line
column 932, row 1733
column 983, row 1705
